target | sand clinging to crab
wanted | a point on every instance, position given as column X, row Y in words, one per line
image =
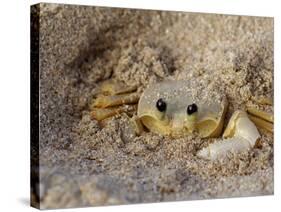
column 174, row 109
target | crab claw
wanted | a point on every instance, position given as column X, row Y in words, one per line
column 240, row 135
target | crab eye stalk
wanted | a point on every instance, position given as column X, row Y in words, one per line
column 191, row 109
column 161, row 105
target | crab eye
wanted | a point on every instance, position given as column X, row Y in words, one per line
column 161, row 105
column 192, row 109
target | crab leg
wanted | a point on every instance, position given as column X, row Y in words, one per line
column 241, row 134
column 104, row 106
column 262, row 119
column 102, row 113
column 109, row 101
column 262, row 123
column 113, row 88
column 137, row 125
column 261, row 114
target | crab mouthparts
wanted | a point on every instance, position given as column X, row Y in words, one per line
column 181, row 124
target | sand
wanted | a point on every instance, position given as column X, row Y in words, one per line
column 85, row 164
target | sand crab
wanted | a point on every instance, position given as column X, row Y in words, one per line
column 178, row 108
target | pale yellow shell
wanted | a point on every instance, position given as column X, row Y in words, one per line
column 208, row 121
